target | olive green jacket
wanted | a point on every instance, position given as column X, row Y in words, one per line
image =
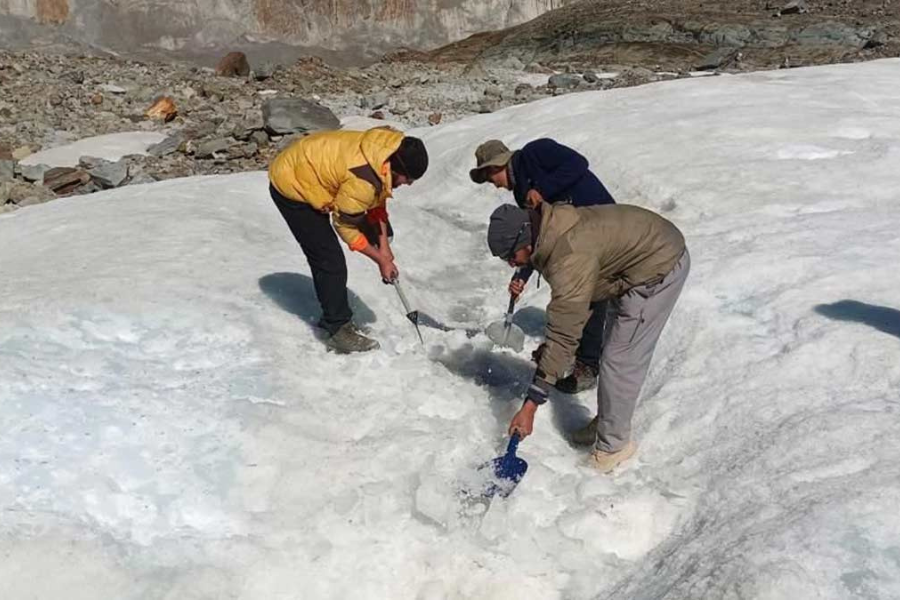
column 593, row 253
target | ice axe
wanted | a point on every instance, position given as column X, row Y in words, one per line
column 505, row 333
column 412, row 315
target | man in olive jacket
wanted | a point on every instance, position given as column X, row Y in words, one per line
column 629, row 255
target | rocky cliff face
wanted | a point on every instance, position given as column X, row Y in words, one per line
column 685, row 34
column 352, row 28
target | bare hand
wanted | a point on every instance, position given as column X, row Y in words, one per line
column 523, row 422
column 388, row 269
column 516, row 287
column 533, row 198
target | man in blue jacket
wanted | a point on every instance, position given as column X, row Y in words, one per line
column 547, row 171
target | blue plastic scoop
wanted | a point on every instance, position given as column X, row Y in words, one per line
column 507, row 471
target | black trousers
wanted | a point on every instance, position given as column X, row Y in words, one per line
column 313, row 231
column 592, row 336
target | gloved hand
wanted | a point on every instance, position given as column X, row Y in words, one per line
column 538, row 353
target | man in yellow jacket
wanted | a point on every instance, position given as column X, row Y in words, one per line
column 343, row 178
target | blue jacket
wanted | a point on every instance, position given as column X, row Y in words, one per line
column 559, row 173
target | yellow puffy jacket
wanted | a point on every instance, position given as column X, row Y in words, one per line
column 342, row 172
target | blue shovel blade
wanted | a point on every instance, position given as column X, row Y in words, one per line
column 507, row 470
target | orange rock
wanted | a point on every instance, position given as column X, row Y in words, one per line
column 97, row 99
column 163, row 109
column 233, row 64
column 52, row 12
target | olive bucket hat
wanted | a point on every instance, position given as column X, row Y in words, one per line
column 492, row 153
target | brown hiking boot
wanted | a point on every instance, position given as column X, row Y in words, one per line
column 583, row 377
column 607, row 461
column 587, row 435
column 349, row 339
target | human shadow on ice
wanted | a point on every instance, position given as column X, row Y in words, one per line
column 569, row 414
column 532, row 320
column 882, row 318
column 295, row 293
column 507, row 377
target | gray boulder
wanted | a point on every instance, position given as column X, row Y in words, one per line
column 488, row 105
column 251, row 123
column 564, row 80
column 7, row 170
column 210, row 148
column 90, row 162
column 878, row 39
column 734, row 35
column 142, row 178
column 168, row 146
column 717, row 59
column 294, row 115
column 265, row 71
column 109, row 174
column 376, row 100
column 33, row 173
column 260, row 138
column 832, row 34
column 112, row 88
column 524, row 89
column 794, row 7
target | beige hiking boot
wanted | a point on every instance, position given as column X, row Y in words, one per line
column 607, row 461
column 587, row 435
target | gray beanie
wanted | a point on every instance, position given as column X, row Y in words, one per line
column 508, row 231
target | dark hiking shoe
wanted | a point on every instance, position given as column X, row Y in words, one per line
column 587, row 435
column 349, row 339
column 583, row 377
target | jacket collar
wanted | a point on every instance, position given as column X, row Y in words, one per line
column 511, row 171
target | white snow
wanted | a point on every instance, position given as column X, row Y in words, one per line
column 533, row 79
column 606, row 75
column 170, row 427
column 361, row 122
column 111, row 146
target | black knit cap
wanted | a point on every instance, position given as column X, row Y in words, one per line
column 411, row 158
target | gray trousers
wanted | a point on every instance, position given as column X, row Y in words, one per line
column 634, row 324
